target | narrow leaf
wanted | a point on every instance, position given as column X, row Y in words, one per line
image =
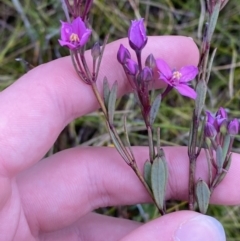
column 106, row 91
column 154, row 109
column 159, row 181
column 203, row 196
column 147, row 172
column 201, row 136
column 210, row 64
column 226, row 143
column 219, row 158
column 118, row 147
column 111, row 102
column 225, row 170
column 201, row 95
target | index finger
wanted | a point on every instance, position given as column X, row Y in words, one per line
column 40, row 104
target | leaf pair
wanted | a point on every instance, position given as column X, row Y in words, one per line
column 110, row 97
column 156, row 174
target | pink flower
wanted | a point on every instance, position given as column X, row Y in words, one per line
column 75, row 34
column 178, row 79
column 137, row 35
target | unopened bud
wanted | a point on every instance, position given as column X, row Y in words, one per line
column 137, row 35
column 96, row 50
column 209, row 130
column 145, row 75
column 233, row 127
column 221, row 113
column 131, row 67
column 223, row 127
column 123, row 54
column 150, row 61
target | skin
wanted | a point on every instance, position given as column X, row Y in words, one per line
column 53, row 199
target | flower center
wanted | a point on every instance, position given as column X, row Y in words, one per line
column 177, row 75
column 74, row 37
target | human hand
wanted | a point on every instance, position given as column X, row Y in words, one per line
column 53, row 199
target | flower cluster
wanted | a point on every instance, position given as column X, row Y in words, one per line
column 219, row 124
column 219, row 133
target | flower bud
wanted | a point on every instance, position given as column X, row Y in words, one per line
column 223, row 126
column 137, row 35
column 233, row 127
column 96, row 50
column 131, row 67
column 145, row 75
column 209, row 130
column 221, row 113
column 210, row 118
column 150, row 61
column 123, row 54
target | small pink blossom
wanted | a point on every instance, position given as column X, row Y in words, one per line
column 178, row 79
column 75, row 34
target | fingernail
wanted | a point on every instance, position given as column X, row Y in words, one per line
column 200, row 228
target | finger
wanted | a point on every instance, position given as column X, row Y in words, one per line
column 79, row 180
column 37, row 107
column 93, row 227
column 180, row 226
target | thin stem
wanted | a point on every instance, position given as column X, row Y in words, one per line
column 99, row 98
column 84, row 63
column 166, row 91
column 79, row 73
column 192, row 159
column 138, row 53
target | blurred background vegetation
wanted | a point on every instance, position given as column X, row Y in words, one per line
column 29, row 29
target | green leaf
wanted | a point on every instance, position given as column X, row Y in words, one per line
column 154, row 109
column 159, row 181
column 226, row 143
column 118, row 146
column 203, row 196
column 201, row 95
column 225, row 170
column 219, row 158
column 112, row 101
column 106, row 91
column 147, row 172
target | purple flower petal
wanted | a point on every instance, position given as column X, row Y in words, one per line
column 68, row 44
column 210, row 117
column 188, row 73
column 164, row 69
column 66, row 30
column 185, row 90
column 85, row 37
column 78, row 26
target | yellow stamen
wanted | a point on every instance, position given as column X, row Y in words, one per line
column 177, row 75
column 74, row 37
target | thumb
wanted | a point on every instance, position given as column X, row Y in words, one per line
column 180, row 226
